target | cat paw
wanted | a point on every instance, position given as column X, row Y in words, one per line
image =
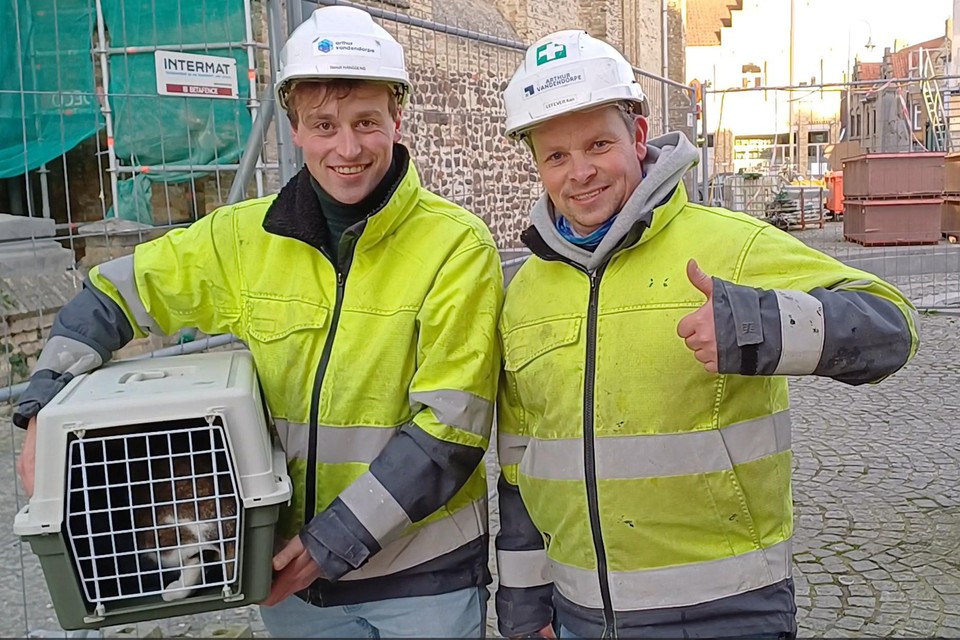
column 175, row 591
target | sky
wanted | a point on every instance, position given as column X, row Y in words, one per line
column 882, row 21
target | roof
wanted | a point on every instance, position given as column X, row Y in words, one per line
column 901, row 59
column 706, row 18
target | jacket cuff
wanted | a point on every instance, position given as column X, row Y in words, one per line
column 43, row 386
column 522, row 612
column 747, row 325
column 337, row 542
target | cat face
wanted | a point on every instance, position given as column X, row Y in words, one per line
column 182, row 524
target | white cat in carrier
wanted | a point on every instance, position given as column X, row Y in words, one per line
column 158, row 487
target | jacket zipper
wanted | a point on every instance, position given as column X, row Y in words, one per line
column 310, row 498
column 589, row 455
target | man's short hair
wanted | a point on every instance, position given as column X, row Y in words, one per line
column 337, row 88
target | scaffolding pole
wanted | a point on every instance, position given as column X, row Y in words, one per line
column 106, row 109
column 253, row 102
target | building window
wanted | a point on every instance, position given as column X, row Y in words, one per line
column 916, row 117
column 752, row 75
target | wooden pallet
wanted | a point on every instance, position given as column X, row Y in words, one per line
column 867, row 242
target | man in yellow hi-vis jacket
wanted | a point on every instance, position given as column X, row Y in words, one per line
column 644, row 428
column 370, row 306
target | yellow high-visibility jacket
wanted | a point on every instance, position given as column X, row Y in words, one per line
column 379, row 368
column 647, row 485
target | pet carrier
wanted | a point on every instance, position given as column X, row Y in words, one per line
column 158, row 485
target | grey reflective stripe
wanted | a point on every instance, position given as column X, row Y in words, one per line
column 376, row 509
column 458, row 409
column 678, row 586
column 120, row 273
column 427, row 542
column 66, row 355
column 522, row 569
column 801, row 333
column 334, row 444
column 510, row 448
column 661, row 455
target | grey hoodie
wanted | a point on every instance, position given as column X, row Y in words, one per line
column 668, row 158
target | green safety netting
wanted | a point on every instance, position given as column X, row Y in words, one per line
column 48, row 98
column 152, row 130
column 48, row 102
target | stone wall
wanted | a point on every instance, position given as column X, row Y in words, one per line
column 28, row 306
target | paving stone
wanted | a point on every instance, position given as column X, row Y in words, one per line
column 827, row 602
column 850, row 623
column 857, row 601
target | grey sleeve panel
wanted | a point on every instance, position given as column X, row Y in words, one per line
column 120, row 273
column 44, row 385
column 65, row 355
column 92, row 318
column 421, row 472
column 747, row 323
column 866, row 337
column 337, row 541
column 526, row 610
column 85, row 333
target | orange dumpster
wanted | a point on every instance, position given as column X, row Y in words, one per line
column 834, row 181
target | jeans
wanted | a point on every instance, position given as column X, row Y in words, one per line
column 459, row 614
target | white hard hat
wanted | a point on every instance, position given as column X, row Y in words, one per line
column 342, row 43
column 568, row 71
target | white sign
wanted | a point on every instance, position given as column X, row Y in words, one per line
column 195, row 76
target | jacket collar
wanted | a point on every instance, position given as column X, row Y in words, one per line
column 295, row 212
column 645, row 228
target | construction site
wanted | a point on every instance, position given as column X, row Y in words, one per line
column 843, row 132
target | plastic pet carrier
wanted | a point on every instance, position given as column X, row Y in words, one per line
column 158, row 486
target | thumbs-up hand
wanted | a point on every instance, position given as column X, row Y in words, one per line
column 697, row 329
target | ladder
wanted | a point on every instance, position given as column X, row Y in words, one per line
column 933, row 101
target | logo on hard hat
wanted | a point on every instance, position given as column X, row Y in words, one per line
column 325, row 46
column 549, row 52
column 553, row 82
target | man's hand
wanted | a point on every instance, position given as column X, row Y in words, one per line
column 26, row 461
column 294, row 570
column 697, row 329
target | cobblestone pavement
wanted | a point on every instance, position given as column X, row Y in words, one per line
column 876, row 494
column 877, row 498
